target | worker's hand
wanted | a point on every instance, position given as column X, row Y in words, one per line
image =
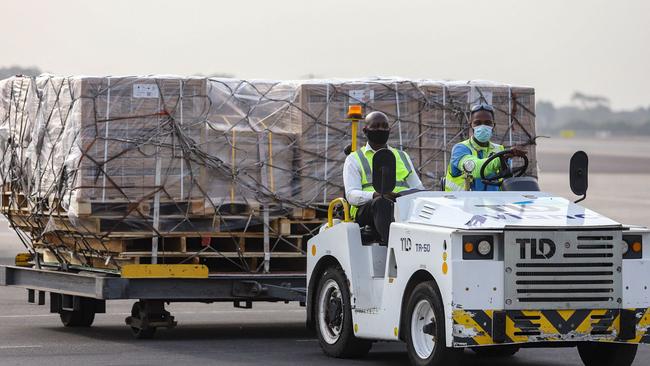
column 392, row 196
column 515, row 151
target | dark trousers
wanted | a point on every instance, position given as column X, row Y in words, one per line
column 377, row 214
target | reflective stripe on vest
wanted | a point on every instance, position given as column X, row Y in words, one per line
column 397, row 184
column 365, row 166
column 403, row 170
column 458, row 183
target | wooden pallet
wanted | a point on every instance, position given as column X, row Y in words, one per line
column 306, row 213
column 167, row 226
column 109, row 234
column 167, row 208
column 233, row 241
column 210, row 254
column 217, row 260
column 287, row 239
column 16, row 203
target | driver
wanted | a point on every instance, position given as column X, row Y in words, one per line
column 368, row 207
column 467, row 157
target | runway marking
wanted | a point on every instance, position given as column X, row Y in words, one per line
column 240, row 311
column 14, row 347
column 261, row 312
column 25, row 316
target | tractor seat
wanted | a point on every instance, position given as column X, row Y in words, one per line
column 529, row 184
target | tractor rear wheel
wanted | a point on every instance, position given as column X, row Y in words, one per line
column 607, row 354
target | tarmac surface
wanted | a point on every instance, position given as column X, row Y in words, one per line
column 274, row 334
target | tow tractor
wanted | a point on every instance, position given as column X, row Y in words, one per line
column 490, row 271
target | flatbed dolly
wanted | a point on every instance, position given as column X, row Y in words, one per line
column 78, row 295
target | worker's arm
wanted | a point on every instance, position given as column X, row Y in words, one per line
column 413, row 180
column 352, row 182
column 461, row 153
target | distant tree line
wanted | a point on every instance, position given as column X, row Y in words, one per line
column 591, row 115
column 10, row 71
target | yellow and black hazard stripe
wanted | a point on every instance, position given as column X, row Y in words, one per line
column 642, row 316
column 473, row 328
column 480, row 327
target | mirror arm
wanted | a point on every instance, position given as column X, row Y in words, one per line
column 581, row 199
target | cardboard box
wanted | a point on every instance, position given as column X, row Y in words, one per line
column 221, row 141
column 326, row 130
column 445, row 122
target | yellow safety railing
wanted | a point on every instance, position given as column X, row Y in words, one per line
column 330, row 211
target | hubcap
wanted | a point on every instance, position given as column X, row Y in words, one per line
column 423, row 329
column 330, row 312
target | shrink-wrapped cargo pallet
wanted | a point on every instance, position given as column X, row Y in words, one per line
column 101, row 171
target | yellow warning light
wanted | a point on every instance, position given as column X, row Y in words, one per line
column 636, row 247
column 469, row 247
column 355, row 111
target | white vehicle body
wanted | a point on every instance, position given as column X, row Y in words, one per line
column 581, row 289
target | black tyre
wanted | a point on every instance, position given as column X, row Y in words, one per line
column 84, row 317
column 146, row 333
column 333, row 314
column 425, row 328
column 607, row 354
column 496, row 351
column 143, row 331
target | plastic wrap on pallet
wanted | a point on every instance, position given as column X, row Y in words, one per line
column 88, row 160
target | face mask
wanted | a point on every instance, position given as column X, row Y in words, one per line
column 377, row 137
column 482, row 133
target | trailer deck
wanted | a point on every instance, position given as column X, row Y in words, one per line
column 217, row 287
column 78, row 296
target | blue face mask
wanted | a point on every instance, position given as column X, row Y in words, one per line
column 483, row 133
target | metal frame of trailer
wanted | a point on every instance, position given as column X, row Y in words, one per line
column 78, row 296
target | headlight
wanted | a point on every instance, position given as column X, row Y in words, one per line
column 633, row 247
column 478, row 247
column 484, row 247
column 625, row 247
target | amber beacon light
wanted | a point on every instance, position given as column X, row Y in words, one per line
column 355, row 113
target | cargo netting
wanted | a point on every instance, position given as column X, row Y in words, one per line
column 236, row 174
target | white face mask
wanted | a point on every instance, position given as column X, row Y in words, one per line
column 483, row 133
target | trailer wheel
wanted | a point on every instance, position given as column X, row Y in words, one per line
column 139, row 320
column 143, row 333
column 496, row 351
column 334, row 317
column 84, row 317
column 607, row 354
column 425, row 327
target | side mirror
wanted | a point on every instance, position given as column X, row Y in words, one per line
column 383, row 171
column 578, row 174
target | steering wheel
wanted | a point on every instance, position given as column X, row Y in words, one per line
column 506, row 171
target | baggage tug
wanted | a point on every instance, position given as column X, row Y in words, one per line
column 490, row 271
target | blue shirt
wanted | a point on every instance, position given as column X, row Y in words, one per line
column 457, row 153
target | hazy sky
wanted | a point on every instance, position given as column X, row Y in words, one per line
column 557, row 46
